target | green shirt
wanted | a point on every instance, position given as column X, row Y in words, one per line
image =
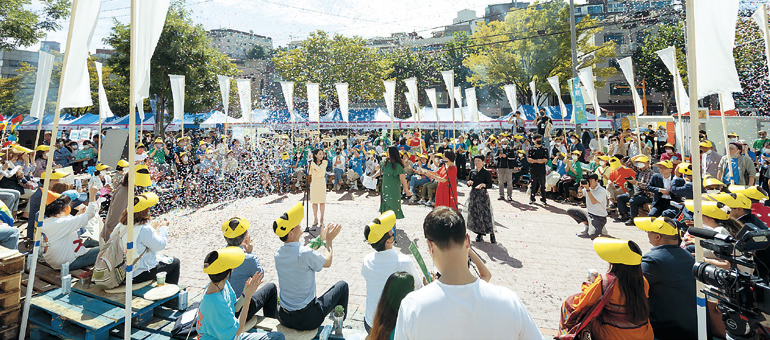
column 85, row 153
column 758, row 144
column 160, row 156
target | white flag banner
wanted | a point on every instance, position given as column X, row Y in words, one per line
column 313, row 102
column 554, row 81
column 42, row 83
column 342, row 95
column 224, row 89
column 533, row 88
column 628, row 71
column 727, row 101
column 510, row 92
column 288, row 94
column 458, row 96
column 244, row 94
column 668, row 56
column 470, row 97
column 586, row 76
column 410, row 103
column 714, row 43
column 75, row 82
column 411, row 85
column 177, row 92
column 140, row 110
column 390, row 97
column 449, row 81
column 104, row 106
column 431, row 94
column 150, row 18
column 760, row 17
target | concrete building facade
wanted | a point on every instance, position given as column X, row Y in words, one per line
column 11, row 60
column 237, row 44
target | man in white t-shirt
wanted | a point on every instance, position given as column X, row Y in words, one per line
column 596, row 205
column 459, row 305
column 378, row 266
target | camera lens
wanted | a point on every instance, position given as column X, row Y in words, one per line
column 711, row 274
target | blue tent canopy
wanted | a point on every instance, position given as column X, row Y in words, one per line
column 86, row 119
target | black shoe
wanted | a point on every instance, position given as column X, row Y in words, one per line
column 492, row 238
column 544, row 202
column 630, row 222
column 501, row 198
column 479, row 238
column 531, row 201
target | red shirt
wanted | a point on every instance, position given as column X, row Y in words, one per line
column 619, row 175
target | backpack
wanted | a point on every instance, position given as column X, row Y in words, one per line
column 110, row 266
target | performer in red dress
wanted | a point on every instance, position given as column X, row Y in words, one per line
column 446, row 192
column 416, row 145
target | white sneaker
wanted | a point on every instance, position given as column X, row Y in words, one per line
column 413, row 199
column 421, row 202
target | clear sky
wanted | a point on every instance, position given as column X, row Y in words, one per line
column 288, row 20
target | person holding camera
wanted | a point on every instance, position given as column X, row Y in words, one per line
column 596, row 205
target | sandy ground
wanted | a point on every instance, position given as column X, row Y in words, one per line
column 538, row 254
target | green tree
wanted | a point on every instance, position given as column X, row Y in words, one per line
column 649, row 67
column 751, row 63
column 534, row 44
column 257, row 52
column 9, row 101
column 183, row 49
column 426, row 68
column 326, row 60
column 21, row 26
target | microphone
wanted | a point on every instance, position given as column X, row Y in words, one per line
column 710, row 234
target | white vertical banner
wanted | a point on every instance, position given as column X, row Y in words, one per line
column 342, row 95
column 75, row 82
column 533, row 88
column 628, row 70
column 410, row 102
column 760, row 17
column 715, row 40
column 473, row 108
column 42, row 83
column 726, row 102
column 586, row 76
column 554, row 81
column 177, row 92
column 288, row 95
column 151, row 16
column 140, row 110
column 390, row 97
column 104, row 105
column 668, row 56
column 458, row 96
column 224, row 89
column 411, row 85
column 244, row 94
column 510, row 92
column 431, row 94
column 313, row 103
column 449, row 81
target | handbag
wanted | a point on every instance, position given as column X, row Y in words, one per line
column 567, row 178
column 581, row 321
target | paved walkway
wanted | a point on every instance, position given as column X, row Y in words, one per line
column 538, row 254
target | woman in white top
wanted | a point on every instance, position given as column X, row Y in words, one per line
column 318, row 184
column 61, row 242
column 339, row 168
column 150, row 237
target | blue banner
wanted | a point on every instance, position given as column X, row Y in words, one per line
column 578, row 104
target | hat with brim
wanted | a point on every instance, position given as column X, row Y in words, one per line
column 289, row 220
column 52, row 196
column 21, row 149
column 732, row 134
column 518, row 137
column 732, row 200
column 102, row 166
column 576, row 152
column 158, row 140
column 235, row 227
column 380, row 226
column 285, row 156
column 227, row 258
column 145, row 201
column 668, row 145
column 142, row 176
column 641, row 158
column 42, row 148
column 72, row 194
column 655, row 225
column 54, row 175
column 706, row 144
column 122, row 163
column 709, row 181
column 753, row 192
column 140, row 145
column 715, row 210
column 615, row 163
column 604, row 158
column 617, row 251
column 666, row 164
column 685, row 168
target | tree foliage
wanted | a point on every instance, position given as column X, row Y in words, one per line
column 534, row 44
column 257, row 52
column 751, row 62
column 650, row 68
column 327, row 60
column 183, row 49
column 21, row 26
column 425, row 67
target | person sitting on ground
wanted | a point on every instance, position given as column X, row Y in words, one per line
column 296, row 266
column 459, row 305
column 596, row 206
column 378, row 266
column 216, row 317
column 236, row 233
column 61, row 242
column 150, row 238
column 397, row 286
column 120, row 199
column 9, row 236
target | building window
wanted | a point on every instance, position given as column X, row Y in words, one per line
column 620, row 89
column 616, row 37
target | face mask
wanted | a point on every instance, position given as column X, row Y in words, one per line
column 603, row 163
column 575, row 158
column 707, row 152
column 765, row 150
column 184, row 158
column 639, row 165
column 209, row 156
column 669, row 151
column 574, row 141
column 713, row 191
column 733, row 140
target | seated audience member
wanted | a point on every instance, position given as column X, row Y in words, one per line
column 397, row 286
column 756, row 194
column 661, row 185
column 616, row 185
column 459, row 305
column 625, row 314
column 668, row 270
column 628, row 205
column 61, row 242
column 120, row 199
column 9, row 236
column 595, row 218
column 216, row 317
column 378, row 266
column 296, row 266
column 236, row 232
column 151, row 237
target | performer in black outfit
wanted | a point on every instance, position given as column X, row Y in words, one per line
column 537, row 158
column 479, row 219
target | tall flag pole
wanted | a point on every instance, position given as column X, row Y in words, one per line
column 628, row 70
column 449, row 81
column 104, row 107
column 390, row 98
column 668, row 56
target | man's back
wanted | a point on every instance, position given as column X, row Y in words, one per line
column 475, row 311
column 668, row 270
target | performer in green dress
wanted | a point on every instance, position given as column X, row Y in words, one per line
column 393, row 183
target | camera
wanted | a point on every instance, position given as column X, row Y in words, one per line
column 743, row 291
column 583, row 182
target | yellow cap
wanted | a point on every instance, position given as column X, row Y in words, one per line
column 753, row 192
column 179, row 139
column 289, row 220
column 518, row 137
column 655, row 225
column 158, row 140
column 604, row 158
column 576, row 152
column 102, row 166
column 227, row 258
column 706, row 144
column 439, row 155
column 142, row 176
column 285, row 156
column 615, row 163
column 668, row 145
column 54, row 175
column 42, row 148
column 709, row 181
column 145, row 201
column 202, row 143
column 52, row 196
column 715, row 210
column 641, row 158
column 732, row 200
column 618, row 251
column 140, row 145
column 732, row 134
column 371, row 152
column 122, row 163
column 235, row 227
column 685, row 168
column 667, row 164
column 21, row 149
column 380, row 226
